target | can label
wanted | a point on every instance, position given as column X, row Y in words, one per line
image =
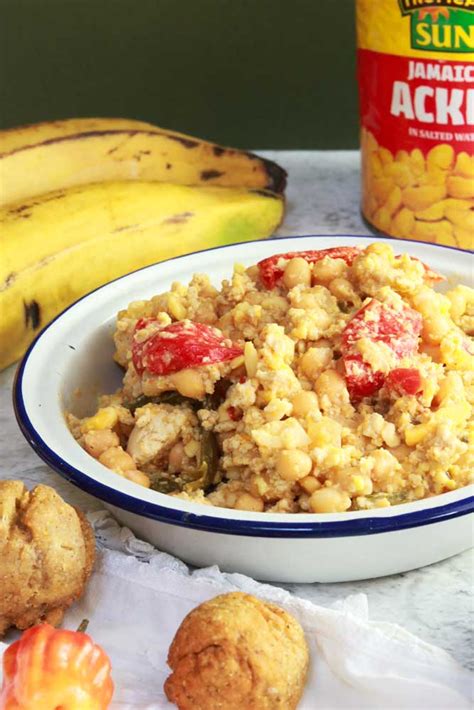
column 416, row 83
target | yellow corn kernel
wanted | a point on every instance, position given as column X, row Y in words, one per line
column 175, row 307
column 443, row 482
column 419, row 198
column 455, row 352
column 105, row 418
column 382, row 503
column 460, row 187
column 429, row 390
column 441, row 156
column 434, row 177
column 417, row 433
column 457, row 414
column 359, row 484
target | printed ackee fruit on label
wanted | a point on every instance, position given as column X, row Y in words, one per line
column 416, row 86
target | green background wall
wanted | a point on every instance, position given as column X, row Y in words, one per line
column 252, row 73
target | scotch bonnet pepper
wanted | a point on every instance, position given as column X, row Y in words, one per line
column 50, row 668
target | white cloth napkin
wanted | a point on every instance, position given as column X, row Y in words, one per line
column 138, row 596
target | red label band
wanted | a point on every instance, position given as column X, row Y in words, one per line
column 409, row 103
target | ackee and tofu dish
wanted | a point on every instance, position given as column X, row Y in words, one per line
column 313, row 382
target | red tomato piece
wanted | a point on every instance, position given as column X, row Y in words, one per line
column 178, row 346
column 361, row 379
column 397, row 328
column 271, row 269
column 404, row 380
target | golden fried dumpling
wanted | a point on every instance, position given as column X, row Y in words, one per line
column 47, row 551
column 237, row 652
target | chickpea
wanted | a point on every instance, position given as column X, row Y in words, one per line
column 137, row 477
column 247, row 502
column 385, row 465
column 293, row 464
column 98, row 441
column 253, row 272
column 176, row 456
column 297, row 272
column 314, row 361
column 389, row 434
column 176, row 307
column 329, row 500
column 189, row 383
column 304, row 402
column 117, row 459
column 328, row 269
column 342, row 289
column 331, row 384
column 309, row 484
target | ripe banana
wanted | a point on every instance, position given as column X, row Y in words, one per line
column 44, row 157
column 61, row 246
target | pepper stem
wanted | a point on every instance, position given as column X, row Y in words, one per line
column 83, row 626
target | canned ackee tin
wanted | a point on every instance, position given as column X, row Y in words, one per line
column 416, row 85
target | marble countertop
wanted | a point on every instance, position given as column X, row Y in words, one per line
column 435, row 602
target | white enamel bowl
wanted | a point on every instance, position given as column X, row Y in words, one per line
column 71, row 362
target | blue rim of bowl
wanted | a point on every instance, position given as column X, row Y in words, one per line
column 248, row 527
